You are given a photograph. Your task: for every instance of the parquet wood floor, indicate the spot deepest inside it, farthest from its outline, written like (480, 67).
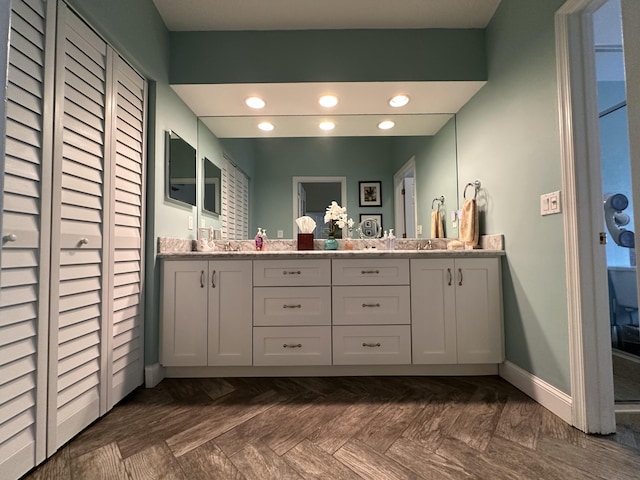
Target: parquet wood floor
(350, 428)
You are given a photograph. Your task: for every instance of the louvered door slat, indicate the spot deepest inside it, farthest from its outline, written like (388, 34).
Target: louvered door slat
(24, 262)
(126, 368)
(78, 237)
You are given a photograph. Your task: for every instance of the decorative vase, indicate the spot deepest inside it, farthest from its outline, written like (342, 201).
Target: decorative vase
(331, 244)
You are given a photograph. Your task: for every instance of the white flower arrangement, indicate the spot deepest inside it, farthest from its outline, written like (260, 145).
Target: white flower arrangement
(336, 217)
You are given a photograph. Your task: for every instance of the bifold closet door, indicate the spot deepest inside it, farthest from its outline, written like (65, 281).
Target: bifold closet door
(126, 365)
(24, 257)
(79, 276)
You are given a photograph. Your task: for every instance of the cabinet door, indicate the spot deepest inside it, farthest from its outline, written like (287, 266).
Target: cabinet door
(433, 321)
(230, 312)
(479, 310)
(184, 313)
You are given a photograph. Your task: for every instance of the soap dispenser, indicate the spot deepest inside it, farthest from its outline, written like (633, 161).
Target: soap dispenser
(258, 240)
(391, 240)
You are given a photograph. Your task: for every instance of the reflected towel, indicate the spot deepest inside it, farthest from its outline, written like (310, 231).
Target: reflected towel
(469, 231)
(437, 229)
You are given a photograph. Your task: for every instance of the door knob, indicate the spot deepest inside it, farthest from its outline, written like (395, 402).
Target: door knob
(12, 237)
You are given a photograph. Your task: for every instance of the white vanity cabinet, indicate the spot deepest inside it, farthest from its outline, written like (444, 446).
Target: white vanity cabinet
(456, 311)
(292, 312)
(371, 312)
(206, 313)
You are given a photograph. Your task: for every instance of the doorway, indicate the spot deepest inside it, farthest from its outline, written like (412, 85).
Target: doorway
(406, 213)
(618, 209)
(311, 197)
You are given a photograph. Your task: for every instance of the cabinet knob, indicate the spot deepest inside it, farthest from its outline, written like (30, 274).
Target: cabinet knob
(12, 237)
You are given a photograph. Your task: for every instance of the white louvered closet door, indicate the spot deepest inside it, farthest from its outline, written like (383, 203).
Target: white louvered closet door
(235, 202)
(25, 244)
(79, 279)
(126, 366)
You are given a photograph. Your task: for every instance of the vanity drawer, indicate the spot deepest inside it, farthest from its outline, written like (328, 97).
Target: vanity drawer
(282, 273)
(372, 271)
(292, 346)
(388, 305)
(372, 345)
(274, 306)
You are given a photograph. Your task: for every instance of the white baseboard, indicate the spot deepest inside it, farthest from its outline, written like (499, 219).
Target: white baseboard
(554, 400)
(153, 375)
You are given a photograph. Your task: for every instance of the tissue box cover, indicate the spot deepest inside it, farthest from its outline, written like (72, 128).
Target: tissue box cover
(305, 241)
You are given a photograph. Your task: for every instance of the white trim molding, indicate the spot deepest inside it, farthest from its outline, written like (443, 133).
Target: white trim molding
(554, 400)
(587, 301)
(153, 375)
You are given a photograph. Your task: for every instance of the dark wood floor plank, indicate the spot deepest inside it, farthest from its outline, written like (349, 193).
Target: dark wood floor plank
(313, 463)
(602, 458)
(257, 462)
(392, 420)
(103, 463)
(372, 465)
(477, 423)
(263, 424)
(298, 428)
(221, 419)
(154, 463)
(475, 462)
(425, 463)
(207, 462)
(216, 387)
(337, 431)
(520, 421)
(554, 427)
(532, 465)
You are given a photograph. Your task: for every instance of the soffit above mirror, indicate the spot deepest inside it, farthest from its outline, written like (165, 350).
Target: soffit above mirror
(294, 110)
(194, 15)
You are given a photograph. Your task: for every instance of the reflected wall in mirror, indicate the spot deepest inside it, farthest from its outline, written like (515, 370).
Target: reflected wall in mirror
(313, 195)
(212, 181)
(181, 169)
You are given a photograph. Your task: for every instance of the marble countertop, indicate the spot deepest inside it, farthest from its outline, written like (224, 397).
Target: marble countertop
(369, 253)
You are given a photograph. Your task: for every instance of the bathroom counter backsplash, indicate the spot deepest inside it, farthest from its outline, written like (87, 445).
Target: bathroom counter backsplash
(166, 245)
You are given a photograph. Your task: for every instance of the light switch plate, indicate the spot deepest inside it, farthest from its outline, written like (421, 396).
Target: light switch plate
(190, 222)
(550, 203)
(280, 234)
(419, 230)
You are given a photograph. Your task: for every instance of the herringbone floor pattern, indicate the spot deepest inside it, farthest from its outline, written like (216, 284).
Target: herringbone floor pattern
(376, 428)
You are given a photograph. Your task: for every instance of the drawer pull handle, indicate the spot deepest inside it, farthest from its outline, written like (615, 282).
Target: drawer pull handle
(201, 278)
(292, 345)
(372, 345)
(83, 241)
(291, 306)
(213, 279)
(373, 305)
(370, 272)
(450, 276)
(291, 272)
(460, 272)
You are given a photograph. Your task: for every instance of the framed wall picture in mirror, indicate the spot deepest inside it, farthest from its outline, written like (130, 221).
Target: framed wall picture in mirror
(180, 169)
(370, 194)
(212, 180)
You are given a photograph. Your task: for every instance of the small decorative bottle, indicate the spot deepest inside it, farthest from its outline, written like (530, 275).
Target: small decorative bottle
(391, 240)
(258, 240)
(264, 239)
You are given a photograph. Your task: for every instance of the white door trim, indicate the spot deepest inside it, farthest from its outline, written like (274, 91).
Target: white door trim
(587, 294)
(298, 180)
(398, 185)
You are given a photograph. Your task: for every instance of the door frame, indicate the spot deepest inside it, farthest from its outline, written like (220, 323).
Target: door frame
(593, 406)
(312, 179)
(398, 184)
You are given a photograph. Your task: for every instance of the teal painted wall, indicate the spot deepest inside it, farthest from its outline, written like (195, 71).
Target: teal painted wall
(327, 55)
(508, 137)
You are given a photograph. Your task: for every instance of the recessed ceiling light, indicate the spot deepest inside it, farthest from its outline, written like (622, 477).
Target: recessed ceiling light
(399, 100)
(328, 101)
(255, 102)
(266, 126)
(386, 125)
(327, 125)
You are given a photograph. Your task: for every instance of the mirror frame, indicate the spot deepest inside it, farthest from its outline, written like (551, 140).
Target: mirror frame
(168, 143)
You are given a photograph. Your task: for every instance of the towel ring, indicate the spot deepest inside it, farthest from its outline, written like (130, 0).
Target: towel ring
(476, 185)
(439, 199)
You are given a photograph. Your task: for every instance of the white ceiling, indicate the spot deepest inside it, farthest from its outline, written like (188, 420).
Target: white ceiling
(293, 107)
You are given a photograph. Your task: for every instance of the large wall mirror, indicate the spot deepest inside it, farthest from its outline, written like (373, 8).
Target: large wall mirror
(212, 182)
(180, 169)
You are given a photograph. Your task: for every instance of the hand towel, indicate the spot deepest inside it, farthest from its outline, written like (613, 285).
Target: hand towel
(469, 231)
(437, 229)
